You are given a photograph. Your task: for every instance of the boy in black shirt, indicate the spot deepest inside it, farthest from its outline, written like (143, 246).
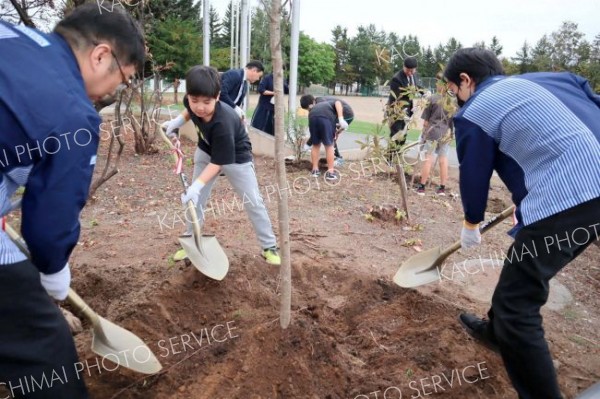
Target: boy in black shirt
(307, 101)
(322, 120)
(223, 146)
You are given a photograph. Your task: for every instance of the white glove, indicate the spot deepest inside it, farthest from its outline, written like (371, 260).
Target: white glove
(469, 236)
(239, 111)
(342, 122)
(193, 192)
(57, 284)
(173, 124)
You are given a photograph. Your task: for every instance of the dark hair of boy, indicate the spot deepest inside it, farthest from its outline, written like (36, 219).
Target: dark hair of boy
(478, 63)
(256, 65)
(306, 100)
(203, 81)
(85, 26)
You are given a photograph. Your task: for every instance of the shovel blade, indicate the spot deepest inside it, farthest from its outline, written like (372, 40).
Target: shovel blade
(209, 258)
(420, 269)
(590, 393)
(122, 347)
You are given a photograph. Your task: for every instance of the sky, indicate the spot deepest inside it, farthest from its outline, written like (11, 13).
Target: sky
(434, 21)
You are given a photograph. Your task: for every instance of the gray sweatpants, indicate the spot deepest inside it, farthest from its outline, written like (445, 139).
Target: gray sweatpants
(243, 180)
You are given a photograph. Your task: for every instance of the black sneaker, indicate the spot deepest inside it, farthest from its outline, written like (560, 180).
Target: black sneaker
(421, 189)
(441, 190)
(315, 173)
(478, 329)
(331, 177)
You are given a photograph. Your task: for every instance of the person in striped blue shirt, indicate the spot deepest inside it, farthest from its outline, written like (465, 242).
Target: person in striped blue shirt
(541, 133)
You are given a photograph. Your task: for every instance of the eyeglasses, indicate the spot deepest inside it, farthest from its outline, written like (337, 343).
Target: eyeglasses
(451, 92)
(126, 82)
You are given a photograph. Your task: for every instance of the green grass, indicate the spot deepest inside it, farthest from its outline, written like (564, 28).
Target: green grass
(363, 127)
(358, 127)
(370, 128)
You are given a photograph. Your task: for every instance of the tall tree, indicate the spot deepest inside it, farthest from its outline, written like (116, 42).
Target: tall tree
(214, 24)
(282, 202)
(542, 55)
(428, 65)
(495, 46)
(318, 60)
(260, 49)
(176, 44)
(480, 44)
(363, 56)
(341, 47)
(566, 42)
(159, 10)
(223, 40)
(593, 70)
(394, 45)
(524, 59)
(595, 49)
(450, 48)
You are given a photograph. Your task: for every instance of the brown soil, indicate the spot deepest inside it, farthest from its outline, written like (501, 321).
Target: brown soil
(353, 331)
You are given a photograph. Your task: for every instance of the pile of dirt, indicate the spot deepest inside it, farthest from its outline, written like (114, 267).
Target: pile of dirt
(349, 336)
(353, 334)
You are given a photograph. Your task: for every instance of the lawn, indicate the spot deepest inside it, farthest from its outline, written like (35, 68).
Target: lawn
(359, 127)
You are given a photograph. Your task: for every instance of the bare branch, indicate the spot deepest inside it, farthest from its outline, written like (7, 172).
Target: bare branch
(25, 18)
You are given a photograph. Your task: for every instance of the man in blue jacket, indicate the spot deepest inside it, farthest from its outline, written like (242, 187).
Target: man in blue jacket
(234, 86)
(541, 133)
(49, 134)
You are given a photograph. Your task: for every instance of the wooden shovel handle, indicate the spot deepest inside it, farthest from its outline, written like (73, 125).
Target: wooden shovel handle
(83, 308)
(72, 297)
(190, 208)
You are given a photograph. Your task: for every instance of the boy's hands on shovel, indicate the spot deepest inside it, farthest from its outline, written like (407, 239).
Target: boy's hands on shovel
(470, 235)
(193, 192)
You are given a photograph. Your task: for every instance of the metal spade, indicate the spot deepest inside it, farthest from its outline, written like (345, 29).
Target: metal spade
(110, 341)
(422, 269)
(204, 251)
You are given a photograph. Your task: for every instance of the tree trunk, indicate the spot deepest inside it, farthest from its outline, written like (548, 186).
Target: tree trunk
(175, 88)
(111, 167)
(403, 188)
(156, 82)
(283, 213)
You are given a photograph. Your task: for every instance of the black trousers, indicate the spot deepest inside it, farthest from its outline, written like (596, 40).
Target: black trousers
(539, 251)
(399, 125)
(37, 353)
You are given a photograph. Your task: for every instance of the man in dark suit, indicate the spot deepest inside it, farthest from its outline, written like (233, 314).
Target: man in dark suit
(399, 101)
(234, 87)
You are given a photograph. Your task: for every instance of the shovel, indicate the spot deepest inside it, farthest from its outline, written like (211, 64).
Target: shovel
(109, 340)
(421, 268)
(204, 251)
(590, 393)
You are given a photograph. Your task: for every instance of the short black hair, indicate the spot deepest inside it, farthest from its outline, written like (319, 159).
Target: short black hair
(476, 62)
(306, 100)
(410, 62)
(87, 25)
(256, 65)
(203, 81)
